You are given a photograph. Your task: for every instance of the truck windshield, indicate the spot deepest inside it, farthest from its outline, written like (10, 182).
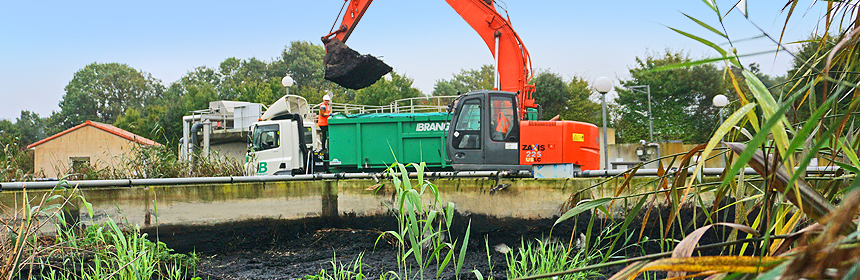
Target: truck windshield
(265, 137)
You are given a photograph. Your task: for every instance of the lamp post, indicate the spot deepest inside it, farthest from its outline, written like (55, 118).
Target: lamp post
(721, 101)
(604, 85)
(287, 82)
(650, 117)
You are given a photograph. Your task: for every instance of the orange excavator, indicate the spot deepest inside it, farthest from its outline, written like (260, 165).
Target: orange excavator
(490, 129)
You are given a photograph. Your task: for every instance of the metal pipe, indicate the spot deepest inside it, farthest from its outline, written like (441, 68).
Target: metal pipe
(821, 170)
(13, 186)
(186, 135)
(650, 116)
(207, 130)
(497, 85)
(248, 179)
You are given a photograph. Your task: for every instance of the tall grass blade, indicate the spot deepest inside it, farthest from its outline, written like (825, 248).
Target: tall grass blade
(582, 207)
(462, 257)
(813, 204)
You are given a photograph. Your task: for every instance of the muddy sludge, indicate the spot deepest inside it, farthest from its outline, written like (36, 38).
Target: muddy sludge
(350, 69)
(292, 249)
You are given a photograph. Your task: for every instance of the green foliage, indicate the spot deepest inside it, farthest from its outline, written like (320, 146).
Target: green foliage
(423, 229)
(119, 253)
(29, 128)
(680, 99)
(21, 240)
(339, 271)
(146, 125)
(103, 91)
(551, 93)
(581, 107)
(384, 91)
(16, 163)
(546, 256)
(567, 100)
(811, 61)
(466, 81)
(235, 73)
(303, 61)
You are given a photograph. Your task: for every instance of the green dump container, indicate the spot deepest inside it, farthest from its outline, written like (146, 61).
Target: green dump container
(372, 142)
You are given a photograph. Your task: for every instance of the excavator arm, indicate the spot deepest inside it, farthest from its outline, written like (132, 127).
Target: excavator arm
(512, 61)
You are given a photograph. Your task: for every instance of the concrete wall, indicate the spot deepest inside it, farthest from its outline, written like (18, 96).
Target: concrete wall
(627, 153)
(103, 148)
(217, 203)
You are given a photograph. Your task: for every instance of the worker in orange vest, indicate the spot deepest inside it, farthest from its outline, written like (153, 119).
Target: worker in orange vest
(502, 124)
(322, 122)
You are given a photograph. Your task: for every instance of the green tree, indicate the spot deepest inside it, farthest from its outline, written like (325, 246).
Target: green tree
(29, 128)
(303, 61)
(384, 91)
(236, 72)
(260, 91)
(809, 66)
(466, 81)
(103, 91)
(567, 100)
(551, 93)
(680, 100)
(192, 92)
(8, 132)
(580, 107)
(146, 122)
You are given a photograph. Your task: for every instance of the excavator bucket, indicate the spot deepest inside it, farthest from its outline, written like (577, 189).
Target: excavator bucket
(350, 69)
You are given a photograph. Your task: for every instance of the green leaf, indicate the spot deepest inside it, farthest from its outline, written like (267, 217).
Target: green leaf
(465, 244)
(701, 40)
(445, 261)
(706, 26)
(477, 274)
(449, 214)
(849, 152)
(848, 167)
(582, 207)
(428, 224)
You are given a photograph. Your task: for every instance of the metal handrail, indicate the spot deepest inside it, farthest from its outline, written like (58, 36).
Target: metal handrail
(422, 104)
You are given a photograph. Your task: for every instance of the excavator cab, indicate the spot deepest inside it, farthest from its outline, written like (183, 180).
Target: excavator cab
(484, 132)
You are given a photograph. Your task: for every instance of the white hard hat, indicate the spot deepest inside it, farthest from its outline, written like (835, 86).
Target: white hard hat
(326, 98)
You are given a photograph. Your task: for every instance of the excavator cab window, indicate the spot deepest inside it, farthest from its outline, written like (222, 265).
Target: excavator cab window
(502, 118)
(467, 131)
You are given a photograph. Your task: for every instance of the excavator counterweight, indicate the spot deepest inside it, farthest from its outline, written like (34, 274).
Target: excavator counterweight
(348, 68)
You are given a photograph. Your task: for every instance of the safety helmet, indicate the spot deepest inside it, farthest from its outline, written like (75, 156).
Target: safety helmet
(326, 98)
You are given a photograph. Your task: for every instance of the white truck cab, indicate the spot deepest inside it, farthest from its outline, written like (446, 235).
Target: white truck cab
(284, 140)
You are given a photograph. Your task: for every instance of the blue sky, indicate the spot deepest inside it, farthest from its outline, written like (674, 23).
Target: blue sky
(45, 42)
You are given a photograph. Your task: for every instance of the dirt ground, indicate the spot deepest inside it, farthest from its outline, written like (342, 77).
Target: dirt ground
(292, 249)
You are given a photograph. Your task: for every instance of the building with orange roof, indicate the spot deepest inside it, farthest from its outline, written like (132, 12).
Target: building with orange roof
(90, 144)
